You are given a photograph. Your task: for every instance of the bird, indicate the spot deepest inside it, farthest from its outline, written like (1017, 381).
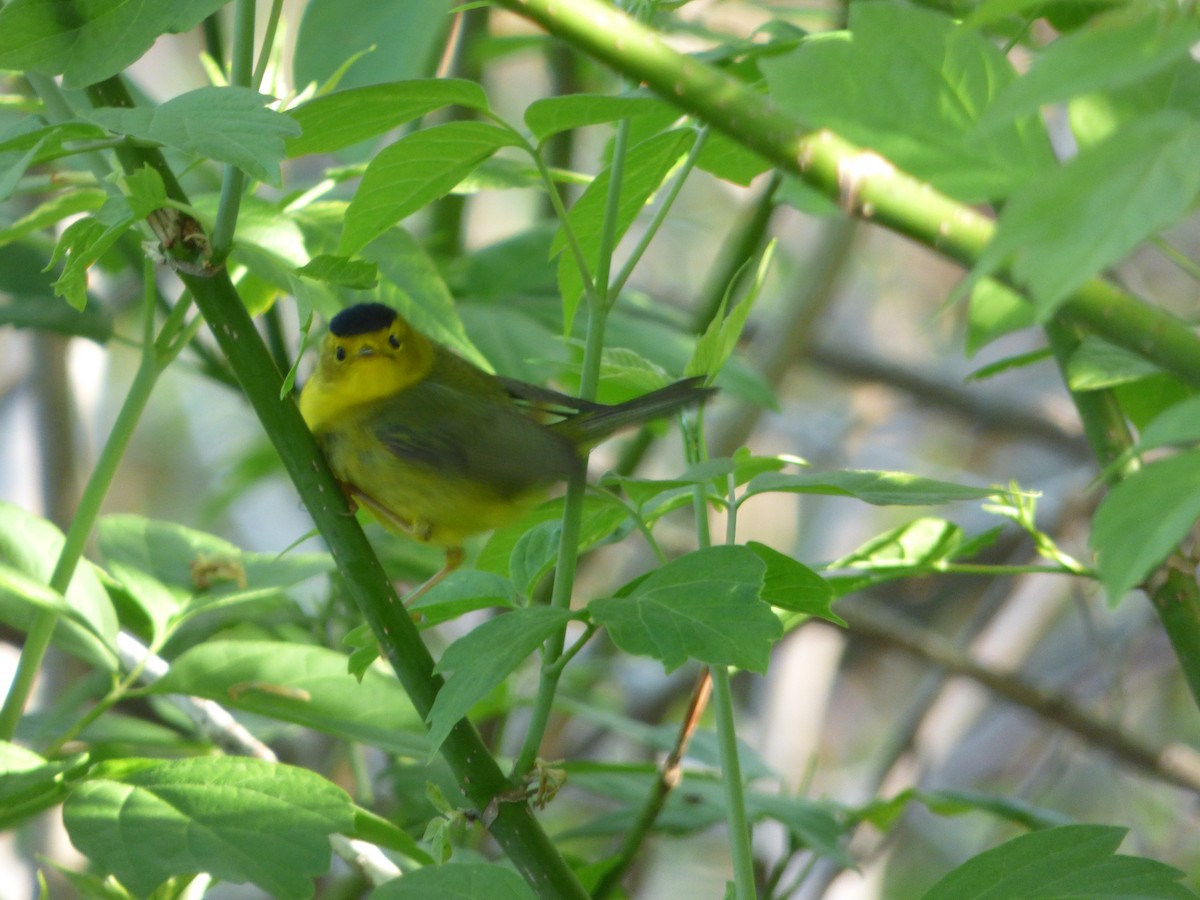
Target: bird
(438, 449)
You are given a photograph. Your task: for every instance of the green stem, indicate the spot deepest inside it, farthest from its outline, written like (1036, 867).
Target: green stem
(1183, 262)
(608, 228)
(1172, 588)
(264, 53)
(564, 583)
(660, 214)
(731, 772)
(233, 181)
(276, 340)
(568, 546)
(569, 653)
(37, 641)
(568, 557)
(556, 203)
(1176, 599)
(858, 180)
(1000, 571)
(214, 41)
(731, 766)
(447, 216)
(367, 584)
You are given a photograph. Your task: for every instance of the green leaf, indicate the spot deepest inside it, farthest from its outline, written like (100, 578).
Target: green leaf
(241, 820)
(1116, 50)
(81, 244)
(1008, 363)
(513, 266)
(802, 196)
(918, 544)
(30, 784)
(1143, 519)
(411, 283)
(646, 165)
(1013, 809)
(1073, 861)
(170, 570)
(875, 487)
(602, 515)
(534, 555)
(304, 685)
(47, 140)
(518, 345)
(1097, 116)
(1066, 224)
(743, 466)
(626, 374)
(791, 585)
(463, 591)
(557, 114)
(706, 605)
(812, 822)
(863, 85)
(29, 550)
(12, 170)
(375, 829)
(716, 345)
(726, 158)
(994, 311)
(384, 47)
(1142, 400)
(55, 209)
(228, 124)
(1178, 424)
(483, 658)
(459, 881)
(342, 271)
(413, 172)
(671, 345)
(88, 42)
(347, 117)
(1096, 364)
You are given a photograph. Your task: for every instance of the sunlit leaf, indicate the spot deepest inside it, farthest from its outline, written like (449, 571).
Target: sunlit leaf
(480, 660)
(242, 820)
(305, 685)
(1143, 519)
(706, 606)
(347, 117)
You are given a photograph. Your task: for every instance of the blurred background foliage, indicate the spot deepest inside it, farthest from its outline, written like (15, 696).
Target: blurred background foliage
(852, 358)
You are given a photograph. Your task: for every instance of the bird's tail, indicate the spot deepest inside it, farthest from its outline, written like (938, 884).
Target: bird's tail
(594, 424)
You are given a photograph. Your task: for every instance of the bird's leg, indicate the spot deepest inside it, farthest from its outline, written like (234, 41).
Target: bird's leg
(386, 517)
(454, 559)
(350, 492)
(417, 530)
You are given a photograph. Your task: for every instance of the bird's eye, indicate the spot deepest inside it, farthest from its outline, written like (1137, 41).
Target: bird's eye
(341, 353)
(394, 341)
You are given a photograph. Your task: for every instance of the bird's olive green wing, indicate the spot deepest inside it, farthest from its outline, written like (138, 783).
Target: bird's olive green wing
(479, 439)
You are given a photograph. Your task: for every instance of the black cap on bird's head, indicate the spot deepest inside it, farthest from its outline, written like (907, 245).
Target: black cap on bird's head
(363, 318)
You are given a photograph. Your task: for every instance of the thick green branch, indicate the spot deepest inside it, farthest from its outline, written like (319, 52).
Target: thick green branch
(861, 182)
(480, 779)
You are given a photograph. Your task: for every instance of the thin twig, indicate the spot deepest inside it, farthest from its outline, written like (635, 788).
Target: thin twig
(669, 776)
